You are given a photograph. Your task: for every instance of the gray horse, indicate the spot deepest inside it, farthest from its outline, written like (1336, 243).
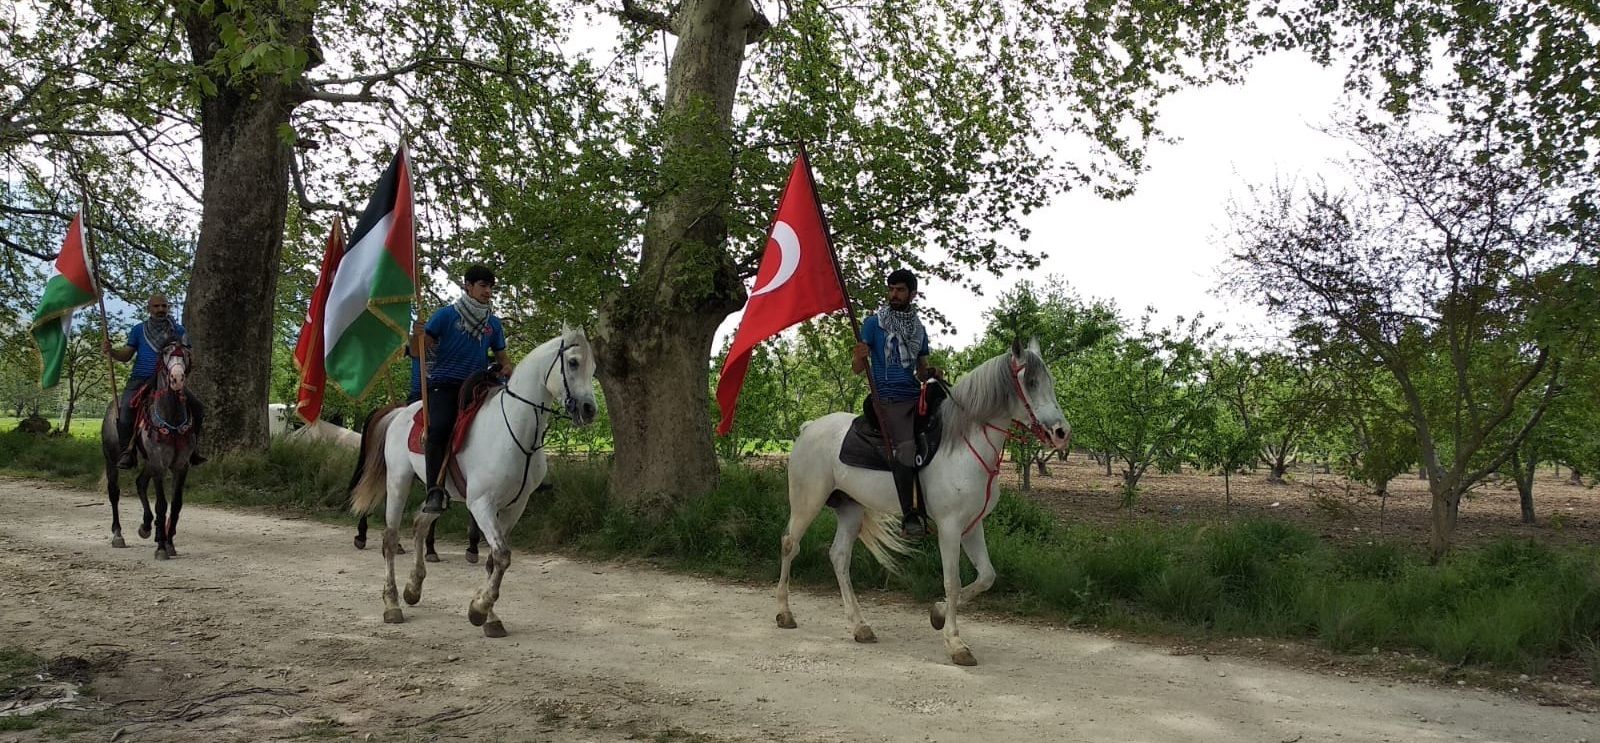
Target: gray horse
(165, 436)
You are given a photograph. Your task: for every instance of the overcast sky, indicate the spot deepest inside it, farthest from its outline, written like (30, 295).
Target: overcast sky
(1160, 247)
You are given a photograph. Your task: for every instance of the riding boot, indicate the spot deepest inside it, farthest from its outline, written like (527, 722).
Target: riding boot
(130, 455)
(434, 454)
(911, 521)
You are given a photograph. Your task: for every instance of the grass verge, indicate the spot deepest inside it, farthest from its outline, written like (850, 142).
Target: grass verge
(1515, 605)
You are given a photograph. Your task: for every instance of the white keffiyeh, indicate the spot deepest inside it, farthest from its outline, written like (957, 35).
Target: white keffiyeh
(905, 336)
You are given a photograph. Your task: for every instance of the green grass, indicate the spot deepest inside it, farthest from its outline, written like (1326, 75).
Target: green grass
(82, 428)
(1514, 604)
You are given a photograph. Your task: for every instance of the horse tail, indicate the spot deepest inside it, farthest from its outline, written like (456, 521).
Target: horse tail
(369, 482)
(880, 534)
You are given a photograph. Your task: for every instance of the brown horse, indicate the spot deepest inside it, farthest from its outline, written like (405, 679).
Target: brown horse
(164, 434)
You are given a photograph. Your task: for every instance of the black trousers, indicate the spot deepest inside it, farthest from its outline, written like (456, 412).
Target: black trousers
(444, 399)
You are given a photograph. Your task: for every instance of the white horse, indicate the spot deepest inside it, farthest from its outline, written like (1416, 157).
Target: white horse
(959, 487)
(502, 461)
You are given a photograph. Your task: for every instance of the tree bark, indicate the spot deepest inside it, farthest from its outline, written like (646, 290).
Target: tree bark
(1446, 508)
(229, 307)
(653, 338)
(1576, 478)
(1524, 472)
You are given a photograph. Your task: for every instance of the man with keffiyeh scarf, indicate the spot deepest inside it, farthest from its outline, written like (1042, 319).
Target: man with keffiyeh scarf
(895, 347)
(144, 345)
(457, 338)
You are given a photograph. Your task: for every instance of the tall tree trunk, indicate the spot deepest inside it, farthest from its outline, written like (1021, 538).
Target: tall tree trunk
(1524, 475)
(1446, 507)
(229, 307)
(653, 339)
(1577, 477)
(1027, 479)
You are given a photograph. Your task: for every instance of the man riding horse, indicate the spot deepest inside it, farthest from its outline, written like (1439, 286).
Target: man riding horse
(897, 345)
(457, 338)
(144, 345)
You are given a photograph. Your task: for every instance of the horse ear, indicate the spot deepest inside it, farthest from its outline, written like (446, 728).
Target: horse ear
(1033, 347)
(1016, 347)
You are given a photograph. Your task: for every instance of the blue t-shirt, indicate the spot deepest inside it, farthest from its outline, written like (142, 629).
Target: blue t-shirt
(457, 354)
(146, 357)
(895, 382)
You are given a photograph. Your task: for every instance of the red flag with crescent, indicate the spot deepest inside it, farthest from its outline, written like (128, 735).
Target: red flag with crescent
(797, 281)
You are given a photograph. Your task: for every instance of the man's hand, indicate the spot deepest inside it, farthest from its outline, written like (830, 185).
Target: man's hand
(105, 347)
(861, 353)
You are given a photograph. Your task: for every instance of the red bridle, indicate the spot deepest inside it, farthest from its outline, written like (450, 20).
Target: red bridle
(1033, 425)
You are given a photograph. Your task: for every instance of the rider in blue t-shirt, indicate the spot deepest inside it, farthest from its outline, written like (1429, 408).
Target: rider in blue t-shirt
(143, 347)
(895, 346)
(458, 339)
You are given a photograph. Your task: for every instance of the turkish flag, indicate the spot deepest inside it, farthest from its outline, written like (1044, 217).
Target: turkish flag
(797, 281)
(308, 350)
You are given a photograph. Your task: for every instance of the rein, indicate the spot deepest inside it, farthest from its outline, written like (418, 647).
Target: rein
(1034, 427)
(540, 427)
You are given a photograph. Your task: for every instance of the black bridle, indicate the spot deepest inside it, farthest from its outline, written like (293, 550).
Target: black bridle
(541, 428)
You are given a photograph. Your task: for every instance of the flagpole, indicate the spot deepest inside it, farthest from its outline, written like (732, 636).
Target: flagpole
(419, 345)
(849, 304)
(99, 294)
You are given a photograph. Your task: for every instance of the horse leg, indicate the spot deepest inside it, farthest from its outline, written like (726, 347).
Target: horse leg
(432, 556)
(474, 535)
(421, 530)
(361, 533)
(114, 492)
(161, 518)
(142, 483)
(950, 557)
(978, 551)
(398, 486)
(802, 511)
(177, 508)
(850, 514)
(481, 610)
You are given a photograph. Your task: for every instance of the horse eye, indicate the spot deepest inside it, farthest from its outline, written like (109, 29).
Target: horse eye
(572, 363)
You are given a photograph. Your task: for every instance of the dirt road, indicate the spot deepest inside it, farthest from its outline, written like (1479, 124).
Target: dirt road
(270, 628)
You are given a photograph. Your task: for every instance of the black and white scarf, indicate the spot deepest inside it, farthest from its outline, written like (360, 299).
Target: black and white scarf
(906, 336)
(474, 316)
(159, 331)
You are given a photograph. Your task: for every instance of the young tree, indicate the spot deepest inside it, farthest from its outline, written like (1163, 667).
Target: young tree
(1453, 269)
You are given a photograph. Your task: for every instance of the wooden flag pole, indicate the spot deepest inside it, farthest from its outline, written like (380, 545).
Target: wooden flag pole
(99, 294)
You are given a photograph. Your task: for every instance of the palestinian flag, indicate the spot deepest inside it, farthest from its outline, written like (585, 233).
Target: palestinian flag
(70, 288)
(308, 351)
(368, 313)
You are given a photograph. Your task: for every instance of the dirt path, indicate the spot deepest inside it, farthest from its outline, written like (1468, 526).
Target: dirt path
(269, 628)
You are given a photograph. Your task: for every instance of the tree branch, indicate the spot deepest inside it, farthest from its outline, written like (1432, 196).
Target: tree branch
(649, 18)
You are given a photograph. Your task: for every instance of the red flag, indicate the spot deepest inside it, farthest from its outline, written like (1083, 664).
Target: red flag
(797, 280)
(308, 354)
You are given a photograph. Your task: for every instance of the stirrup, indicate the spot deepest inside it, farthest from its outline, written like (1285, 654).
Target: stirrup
(437, 500)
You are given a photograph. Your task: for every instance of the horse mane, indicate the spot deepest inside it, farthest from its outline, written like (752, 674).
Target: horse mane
(986, 393)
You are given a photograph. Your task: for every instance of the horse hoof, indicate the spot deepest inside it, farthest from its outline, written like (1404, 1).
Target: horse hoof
(472, 558)
(393, 616)
(494, 629)
(864, 634)
(361, 543)
(786, 620)
(412, 595)
(431, 557)
(399, 550)
(475, 616)
(963, 657)
(117, 541)
(936, 616)
(172, 551)
(161, 554)
(144, 532)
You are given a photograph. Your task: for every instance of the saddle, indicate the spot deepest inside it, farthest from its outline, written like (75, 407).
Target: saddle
(864, 446)
(474, 392)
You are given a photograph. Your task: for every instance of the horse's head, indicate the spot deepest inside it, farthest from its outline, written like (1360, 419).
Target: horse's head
(1035, 402)
(570, 379)
(174, 366)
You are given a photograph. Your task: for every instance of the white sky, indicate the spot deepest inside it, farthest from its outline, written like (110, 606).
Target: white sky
(1160, 247)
